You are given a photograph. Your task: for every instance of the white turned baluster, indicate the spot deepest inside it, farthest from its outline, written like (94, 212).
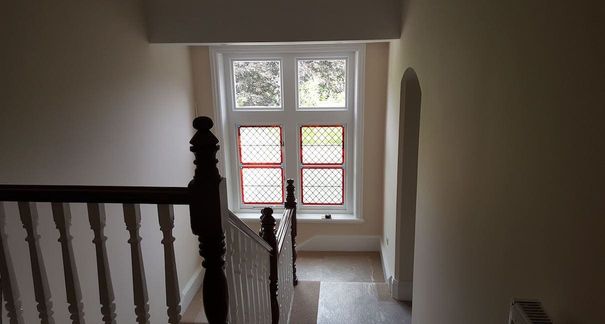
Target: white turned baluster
(289, 275)
(262, 258)
(173, 295)
(257, 283)
(264, 278)
(62, 218)
(10, 290)
(281, 287)
(265, 286)
(240, 263)
(281, 293)
(250, 280)
(96, 218)
(237, 273)
(245, 282)
(132, 218)
(29, 218)
(286, 284)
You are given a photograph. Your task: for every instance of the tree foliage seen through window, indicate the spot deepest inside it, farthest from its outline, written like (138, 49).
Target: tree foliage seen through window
(257, 83)
(322, 83)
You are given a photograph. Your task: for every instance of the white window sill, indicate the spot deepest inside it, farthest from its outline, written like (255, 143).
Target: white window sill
(306, 218)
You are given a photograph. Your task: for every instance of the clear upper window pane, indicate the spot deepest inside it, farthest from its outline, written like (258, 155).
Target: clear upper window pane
(257, 84)
(322, 144)
(322, 83)
(260, 144)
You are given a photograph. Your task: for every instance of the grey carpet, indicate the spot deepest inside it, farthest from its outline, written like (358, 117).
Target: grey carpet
(360, 303)
(306, 303)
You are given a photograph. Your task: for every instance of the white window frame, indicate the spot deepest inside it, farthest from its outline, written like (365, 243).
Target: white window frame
(229, 118)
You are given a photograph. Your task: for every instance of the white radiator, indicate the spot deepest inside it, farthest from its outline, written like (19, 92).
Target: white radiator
(527, 311)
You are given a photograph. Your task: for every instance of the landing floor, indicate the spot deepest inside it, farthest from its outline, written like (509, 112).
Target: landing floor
(347, 288)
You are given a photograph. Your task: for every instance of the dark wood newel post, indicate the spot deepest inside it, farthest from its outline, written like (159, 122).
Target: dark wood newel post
(206, 221)
(267, 232)
(291, 204)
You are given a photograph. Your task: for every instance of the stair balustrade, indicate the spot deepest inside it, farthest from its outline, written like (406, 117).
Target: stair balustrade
(248, 278)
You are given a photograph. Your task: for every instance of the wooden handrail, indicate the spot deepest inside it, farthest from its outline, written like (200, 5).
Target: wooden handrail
(282, 230)
(96, 194)
(239, 224)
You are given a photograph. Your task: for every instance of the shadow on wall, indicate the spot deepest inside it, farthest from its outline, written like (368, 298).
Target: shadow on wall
(407, 181)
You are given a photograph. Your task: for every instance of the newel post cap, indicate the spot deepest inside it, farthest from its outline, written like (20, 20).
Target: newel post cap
(290, 197)
(203, 123)
(203, 138)
(267, 216)
(204, 145)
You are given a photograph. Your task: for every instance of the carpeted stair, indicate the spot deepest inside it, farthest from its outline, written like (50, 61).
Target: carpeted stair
(335, 288)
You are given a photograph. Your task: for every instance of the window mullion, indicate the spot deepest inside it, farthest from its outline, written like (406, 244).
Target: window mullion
(291, 156)
(289, 83)
(290, 119)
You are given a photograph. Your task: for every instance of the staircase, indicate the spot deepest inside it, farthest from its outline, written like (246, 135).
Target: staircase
(344, 287)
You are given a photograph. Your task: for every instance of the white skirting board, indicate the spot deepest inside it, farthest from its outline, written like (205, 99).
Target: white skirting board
(386, 269)
(341, 243)
(401, 290)
(191, 288)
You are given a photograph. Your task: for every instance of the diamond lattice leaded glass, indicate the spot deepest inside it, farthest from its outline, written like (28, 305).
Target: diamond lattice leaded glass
(322, 186)
(262, 185)
(260, 144)
(322, 145)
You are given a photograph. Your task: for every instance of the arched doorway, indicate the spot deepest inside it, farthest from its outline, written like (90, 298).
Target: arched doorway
(407, 176)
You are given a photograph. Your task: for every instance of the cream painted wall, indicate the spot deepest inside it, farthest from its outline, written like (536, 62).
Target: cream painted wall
(510, 183)
(86, 100)
(374, 110)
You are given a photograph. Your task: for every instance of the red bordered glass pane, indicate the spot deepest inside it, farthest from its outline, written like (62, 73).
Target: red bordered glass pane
(322, 145)
(322, 185)
(262, 185)
(260, 144)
